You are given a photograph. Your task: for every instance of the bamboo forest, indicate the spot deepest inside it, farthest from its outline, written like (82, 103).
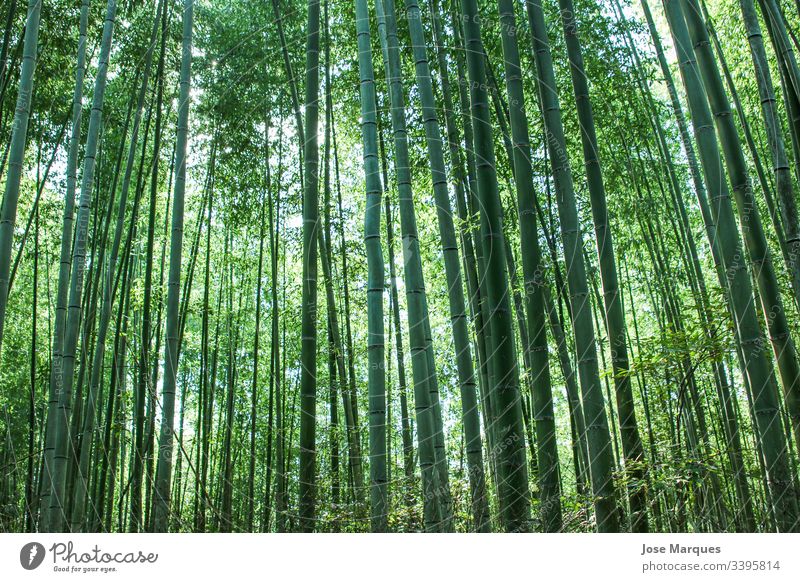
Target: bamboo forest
(383, 266)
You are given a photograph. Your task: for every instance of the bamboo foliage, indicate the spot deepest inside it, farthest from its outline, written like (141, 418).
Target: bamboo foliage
(599, 335)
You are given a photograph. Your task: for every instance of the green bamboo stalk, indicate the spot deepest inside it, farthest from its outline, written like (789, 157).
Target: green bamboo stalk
(109, 289)
(727, 396)
(594, 410)
(162, 489)
(432, 490)
(408, 444)
(308, 384)
(774, 19)
(64, 269)
(455, 289)
(764, 394)
(439, 447)
(274, 364)
(375, 275)
(480, 500)
(56, 518)
(16, 159)
(615, 318)
(544, 416)
(780, 162)
(504, 379)
(749, 217)
(251, 494)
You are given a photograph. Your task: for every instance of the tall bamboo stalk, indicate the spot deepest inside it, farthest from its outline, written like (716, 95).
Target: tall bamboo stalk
(764, 394)
(65, 264)
(162, 489)
(16, 158)
(543, 413)
(455, 289)
(594, 410)
(615, 319)
(509, 449)
(56, 513)
(432, 492)
(308, 383)
(375, 275)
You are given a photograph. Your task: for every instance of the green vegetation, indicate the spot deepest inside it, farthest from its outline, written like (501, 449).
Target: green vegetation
(431, 265)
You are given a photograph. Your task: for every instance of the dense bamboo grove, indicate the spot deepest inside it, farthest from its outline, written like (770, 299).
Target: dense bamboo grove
(401, 266)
